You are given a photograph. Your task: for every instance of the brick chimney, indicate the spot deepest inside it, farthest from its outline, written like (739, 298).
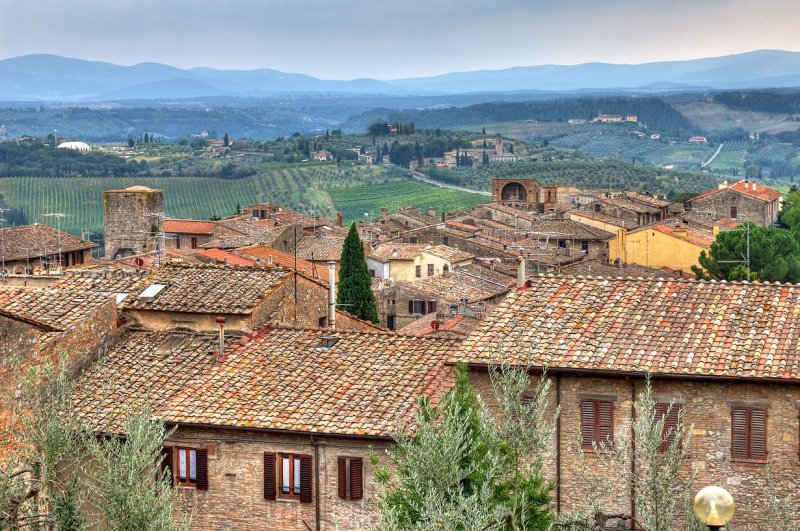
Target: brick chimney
(332, 294)
(339, 219)
(221, 321)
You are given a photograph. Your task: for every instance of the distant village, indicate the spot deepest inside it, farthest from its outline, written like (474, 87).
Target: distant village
(229, 331)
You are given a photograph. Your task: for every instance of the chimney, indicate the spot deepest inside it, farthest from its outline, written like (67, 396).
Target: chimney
(432, 211)
(221, 321)
(754, 186)
(332, 294)
(384, 211)
(521, 271)
(339, 219)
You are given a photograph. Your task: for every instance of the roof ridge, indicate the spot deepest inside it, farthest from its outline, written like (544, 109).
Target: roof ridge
(663, 279)
(391, 333)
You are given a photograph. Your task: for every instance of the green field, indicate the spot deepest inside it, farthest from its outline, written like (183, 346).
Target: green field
(355, 201)
(311, 189)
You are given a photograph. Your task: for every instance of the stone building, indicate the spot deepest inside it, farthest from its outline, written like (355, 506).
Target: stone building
(411, 261)
(740, 202)
(274, 432)
(725, 353)
(133, 218)
(40, 249)
(193, 297)
(525, 194)
(188, 233)
(631, 207)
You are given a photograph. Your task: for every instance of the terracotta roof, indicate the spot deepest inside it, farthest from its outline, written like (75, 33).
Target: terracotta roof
(154, 260)
(680, 327)
(463, 226)
(633, 206)
(451, 254)
(56, 308)
(142, 368)
(188, 226)
(460, 324)
(218, 255)
(677, 228)
(320, 248)
(397, 251)
(269, 255)
(652, 201)
(28, 241)
(220, 289)
(568, 229)
(600, 268)
(102, 281)
(455, 287)
(287, 379)
(603, 218)
(758, 191)
(416, 214)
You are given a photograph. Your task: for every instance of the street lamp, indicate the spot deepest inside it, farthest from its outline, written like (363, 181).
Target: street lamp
(714, 507)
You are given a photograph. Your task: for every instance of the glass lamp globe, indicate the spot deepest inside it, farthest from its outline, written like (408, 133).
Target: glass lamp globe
(714, 506)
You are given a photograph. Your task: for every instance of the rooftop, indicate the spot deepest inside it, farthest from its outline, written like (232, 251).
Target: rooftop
(224, 257)
(603, 218)
(220, 289)
(29, 241)
(397, 251)
(188, 226)
(633, 325)
(302, 380)
(269, 255)
(317, 248)
(750, 188)
(54, 308)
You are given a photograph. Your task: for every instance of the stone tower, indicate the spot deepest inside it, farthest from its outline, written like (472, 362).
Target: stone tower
(131, 218)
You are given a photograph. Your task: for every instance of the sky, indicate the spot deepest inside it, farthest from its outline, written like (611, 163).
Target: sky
(387, 39)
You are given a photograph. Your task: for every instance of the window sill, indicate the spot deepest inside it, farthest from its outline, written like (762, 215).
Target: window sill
(750, 461)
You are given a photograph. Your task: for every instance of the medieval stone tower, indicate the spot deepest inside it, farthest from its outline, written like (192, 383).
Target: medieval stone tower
(132, 218)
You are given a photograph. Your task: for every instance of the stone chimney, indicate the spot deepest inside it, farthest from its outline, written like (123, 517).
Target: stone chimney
(521, 277)
(339, 219)
(221, 321)
(332, 294)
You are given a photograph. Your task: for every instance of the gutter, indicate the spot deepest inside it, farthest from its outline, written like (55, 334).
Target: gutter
(277, 431)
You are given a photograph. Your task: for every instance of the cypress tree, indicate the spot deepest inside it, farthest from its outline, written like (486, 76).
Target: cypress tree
(355, 285)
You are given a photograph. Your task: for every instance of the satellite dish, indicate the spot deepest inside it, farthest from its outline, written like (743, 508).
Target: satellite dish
(435, 325)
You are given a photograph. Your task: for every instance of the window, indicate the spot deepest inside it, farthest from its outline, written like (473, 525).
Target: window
(597, 422)
(671, 413)
(734, 212)
(562, 244)
(585, 246)
(288, 476)
(749, 434)
(391, 322)
(194, 242)
(186, 466)
(178, 241)
(431, 306)
(412, 239)
(430, 270)
(418, 271)
(416, 306)
(446, 240)
(351, 478)
(372, 273)
(322, 322)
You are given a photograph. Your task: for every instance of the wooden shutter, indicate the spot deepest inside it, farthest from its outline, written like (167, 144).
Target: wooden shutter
(739, 432)
(356, 478)
(605, 422)
(306, 475)
(411, 306)
(431, 306)
(587, 423)
(270, 488)
(342, 475)
(202, 469)
(671, 416)
(758, 433)
(166, 463)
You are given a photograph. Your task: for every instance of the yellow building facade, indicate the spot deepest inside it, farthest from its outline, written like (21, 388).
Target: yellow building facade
(664, 245)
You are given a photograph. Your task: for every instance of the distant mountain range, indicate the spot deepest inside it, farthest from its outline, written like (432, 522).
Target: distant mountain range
(53, 78)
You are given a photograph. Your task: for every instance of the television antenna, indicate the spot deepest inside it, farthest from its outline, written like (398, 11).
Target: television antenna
(58, 216)
(3, 211)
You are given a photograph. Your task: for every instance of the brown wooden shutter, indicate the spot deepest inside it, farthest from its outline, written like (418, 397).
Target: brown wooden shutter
(605, 421)
(411, 306)
(356, 478)
(739, 432)
(306, 475)
(431, 306)
(270, 488)
(758, 433)
(202, 469)
(166, 463)
(587, 423)
(341, 463)
(671, 416)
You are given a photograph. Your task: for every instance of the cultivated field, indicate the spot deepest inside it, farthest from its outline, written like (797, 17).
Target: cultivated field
(312, 189)
(715, 116)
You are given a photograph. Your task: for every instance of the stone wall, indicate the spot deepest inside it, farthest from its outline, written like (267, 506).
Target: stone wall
(235, 497)
(707, 409)
(748, 208)
(129, 217)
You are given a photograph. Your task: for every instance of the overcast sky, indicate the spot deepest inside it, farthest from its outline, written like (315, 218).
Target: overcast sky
(343, 39)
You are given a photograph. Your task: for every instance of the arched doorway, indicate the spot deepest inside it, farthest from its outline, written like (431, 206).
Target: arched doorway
(513, 192)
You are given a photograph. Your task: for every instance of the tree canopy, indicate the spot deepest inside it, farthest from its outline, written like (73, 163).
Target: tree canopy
(354, 294)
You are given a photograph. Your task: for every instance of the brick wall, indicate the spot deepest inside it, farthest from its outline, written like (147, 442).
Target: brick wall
(235, 496)
(707, 408)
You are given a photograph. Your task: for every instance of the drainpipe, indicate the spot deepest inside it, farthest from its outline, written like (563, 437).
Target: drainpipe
(316, 481)
(332, 294)
(558, 444)
(633, 456)
(221, 321)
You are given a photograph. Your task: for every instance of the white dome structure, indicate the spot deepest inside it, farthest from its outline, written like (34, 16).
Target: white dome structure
(77, 146)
